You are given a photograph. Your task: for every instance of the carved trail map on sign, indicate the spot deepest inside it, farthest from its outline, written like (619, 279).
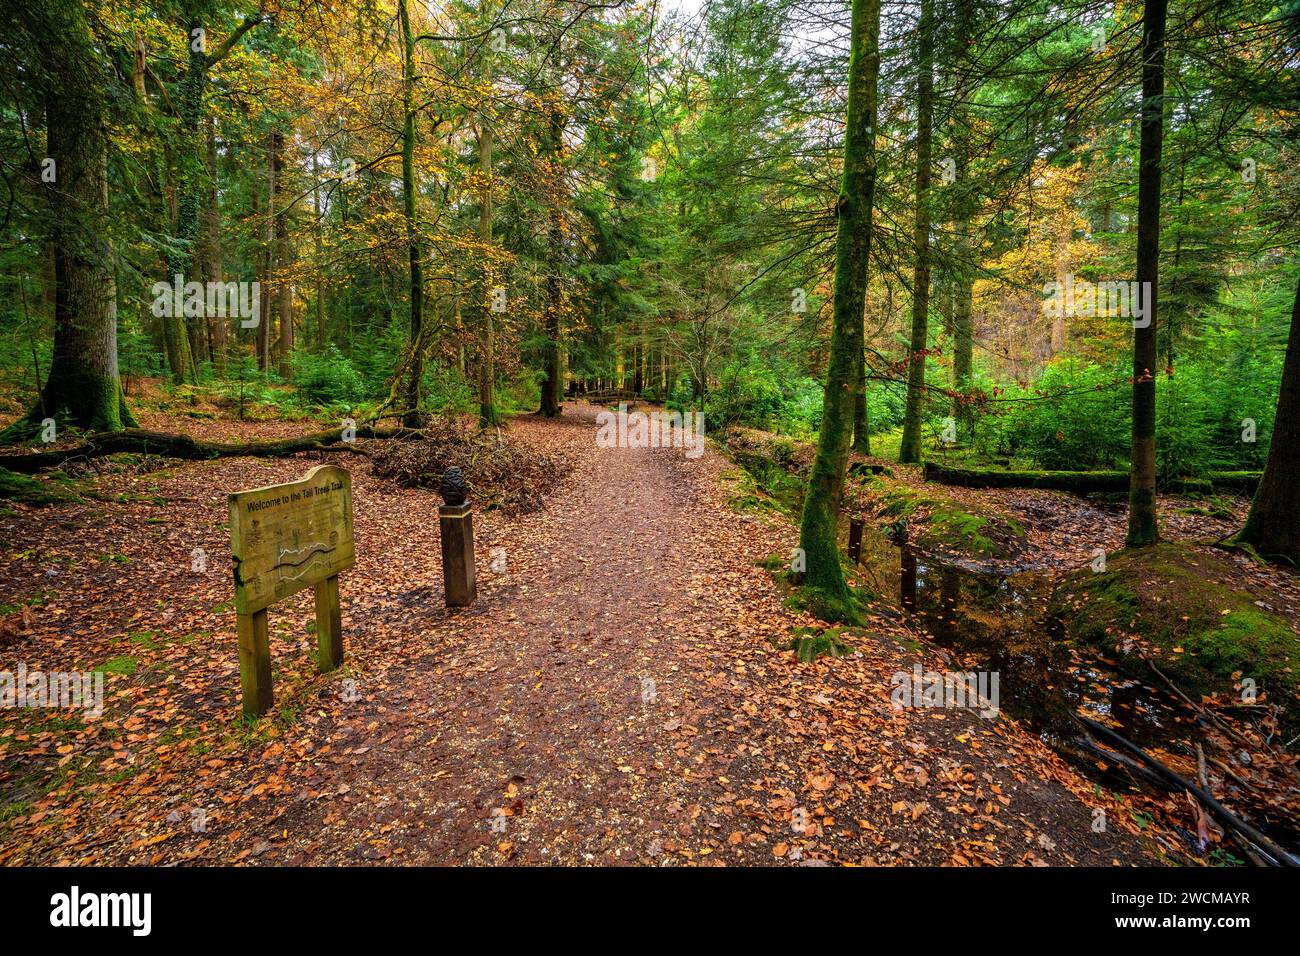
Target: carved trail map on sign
(284, 538)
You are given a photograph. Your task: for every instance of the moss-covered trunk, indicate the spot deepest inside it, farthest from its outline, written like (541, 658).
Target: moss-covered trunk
(817, 533)
(861, 414)
(910, 446)
(212, 249)
(1273, 525)
(83, 386)
(966, 252)
(180, 334)
(1142, 527)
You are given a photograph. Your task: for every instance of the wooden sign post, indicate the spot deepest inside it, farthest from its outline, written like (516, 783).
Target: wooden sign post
(456, 523)
(284, 538)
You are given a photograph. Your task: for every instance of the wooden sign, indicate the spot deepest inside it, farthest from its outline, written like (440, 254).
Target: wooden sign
(284, 538)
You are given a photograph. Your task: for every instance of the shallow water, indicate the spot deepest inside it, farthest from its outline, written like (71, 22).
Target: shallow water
(998, 622)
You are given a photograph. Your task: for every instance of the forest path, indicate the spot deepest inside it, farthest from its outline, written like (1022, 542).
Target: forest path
(621, 692)
(612, 699)
(548, 697)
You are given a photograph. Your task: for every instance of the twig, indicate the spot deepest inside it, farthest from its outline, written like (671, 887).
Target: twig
(1231, 773)
(1209, 715)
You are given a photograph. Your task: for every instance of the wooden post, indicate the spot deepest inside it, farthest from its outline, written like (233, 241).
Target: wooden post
(855, 540)
(329, 625)
(254, 663)
(456, 523)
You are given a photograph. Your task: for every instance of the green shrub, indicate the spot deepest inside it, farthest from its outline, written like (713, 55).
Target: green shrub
(446, 391)
(328, 377)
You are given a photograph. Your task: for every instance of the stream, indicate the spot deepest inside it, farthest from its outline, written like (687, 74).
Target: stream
(998, 622)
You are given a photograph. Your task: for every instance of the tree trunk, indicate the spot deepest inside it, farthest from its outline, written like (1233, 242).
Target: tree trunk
(144, 442)
(268, 258)
(212, 250)
(1273, 525)
(550, 406)
(861, 418)
(966, 267)
(319, 304)
(487, 413)
(412, 226)
(817, 531)
(910, 447)
(282, 254)
(83, 385)
(458, 321)
(1142, 527)
(963, 326)
(182, 351)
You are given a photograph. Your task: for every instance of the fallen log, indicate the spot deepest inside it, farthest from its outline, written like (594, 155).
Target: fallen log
(1077, 481)
(1083, 482)
(167, 444)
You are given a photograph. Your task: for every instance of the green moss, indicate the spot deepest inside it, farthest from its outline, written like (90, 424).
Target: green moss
(121, 665)
(35, 491)
(1223, 514)
(146, 639)
(826, 605)
(810, 643)
(9, 811)
(767, 484)
(1182, 609)
(961, 531)
(951, 525)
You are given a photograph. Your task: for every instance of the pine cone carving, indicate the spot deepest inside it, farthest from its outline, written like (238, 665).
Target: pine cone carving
(453, 488)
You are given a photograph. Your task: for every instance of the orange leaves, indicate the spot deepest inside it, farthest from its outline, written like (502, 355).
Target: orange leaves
(821, 781)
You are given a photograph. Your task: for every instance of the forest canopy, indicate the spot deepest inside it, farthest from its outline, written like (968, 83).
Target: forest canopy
(396, 208)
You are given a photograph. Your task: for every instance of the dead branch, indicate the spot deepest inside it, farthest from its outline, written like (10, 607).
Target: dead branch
(1231, 820)
(167, 444)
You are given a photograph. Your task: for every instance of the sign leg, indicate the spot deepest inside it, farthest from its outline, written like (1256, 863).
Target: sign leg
(255, 663)
(329, 625)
